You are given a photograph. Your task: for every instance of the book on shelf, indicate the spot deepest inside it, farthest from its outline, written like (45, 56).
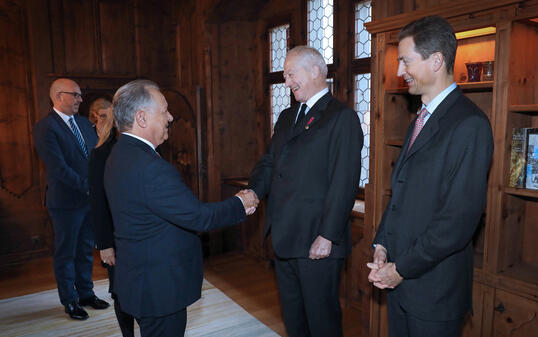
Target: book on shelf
(532, 159)
(518, 156)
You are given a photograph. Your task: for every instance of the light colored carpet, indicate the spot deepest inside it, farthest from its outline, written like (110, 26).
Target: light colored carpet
(41, 314)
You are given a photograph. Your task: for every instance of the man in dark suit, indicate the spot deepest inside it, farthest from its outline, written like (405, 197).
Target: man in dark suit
(311, 174)
(423, 247)
(156, 217)
(63, 140)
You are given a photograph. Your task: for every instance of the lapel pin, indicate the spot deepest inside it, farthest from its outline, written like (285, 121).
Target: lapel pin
(309, 122)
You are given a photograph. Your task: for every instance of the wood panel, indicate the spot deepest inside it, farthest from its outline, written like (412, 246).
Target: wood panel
(15, 99)
(181, 147)
(116, 29)
(156, 23)
(236, 122)
(514, 316)
(24, 231)
(79, 35)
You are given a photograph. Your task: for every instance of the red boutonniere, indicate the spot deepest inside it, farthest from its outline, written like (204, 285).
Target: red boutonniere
(309, 122)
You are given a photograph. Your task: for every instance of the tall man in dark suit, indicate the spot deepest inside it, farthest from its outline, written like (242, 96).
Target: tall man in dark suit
(156, 217)
(423, 247)
(311, 173)
(63, 141)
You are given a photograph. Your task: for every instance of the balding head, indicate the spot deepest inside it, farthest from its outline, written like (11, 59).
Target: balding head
(65, 95)
(305, 72)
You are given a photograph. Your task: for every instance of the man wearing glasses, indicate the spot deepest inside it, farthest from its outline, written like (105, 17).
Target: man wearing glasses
(63, 140)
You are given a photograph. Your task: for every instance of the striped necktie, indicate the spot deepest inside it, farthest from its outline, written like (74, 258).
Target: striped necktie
(78, 136)
(419, 124)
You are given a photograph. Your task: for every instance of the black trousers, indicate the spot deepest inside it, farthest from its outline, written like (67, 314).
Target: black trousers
(125, 320)
(172, 325)
(403, 324)
(309, 296)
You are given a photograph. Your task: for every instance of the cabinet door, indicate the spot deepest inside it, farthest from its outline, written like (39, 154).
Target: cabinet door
(514, 316)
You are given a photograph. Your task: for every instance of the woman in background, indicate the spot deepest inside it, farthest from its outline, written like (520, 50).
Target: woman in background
(100, 212)
(100, 109)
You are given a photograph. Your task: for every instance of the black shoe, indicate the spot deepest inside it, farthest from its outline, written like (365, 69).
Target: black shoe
(94, 302)
(75, 311)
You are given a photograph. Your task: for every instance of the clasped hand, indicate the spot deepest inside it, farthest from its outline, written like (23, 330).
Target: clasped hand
(383, 275)
(250, 200)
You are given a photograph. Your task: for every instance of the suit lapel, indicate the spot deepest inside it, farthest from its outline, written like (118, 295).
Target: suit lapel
(312, 117)
(67, 129)
(430, 129)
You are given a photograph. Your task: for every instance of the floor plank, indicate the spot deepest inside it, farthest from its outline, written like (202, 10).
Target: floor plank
(251, 285)
(245, 280)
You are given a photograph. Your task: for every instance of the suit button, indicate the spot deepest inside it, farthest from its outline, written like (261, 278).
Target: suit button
(280, 175)
(393, 207)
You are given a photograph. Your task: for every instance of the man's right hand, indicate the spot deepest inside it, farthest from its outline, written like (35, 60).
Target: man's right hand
(250, 200)
(380, 258)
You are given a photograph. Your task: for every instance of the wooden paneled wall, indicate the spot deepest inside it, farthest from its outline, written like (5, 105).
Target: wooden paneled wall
(209, 52)
(101, 44)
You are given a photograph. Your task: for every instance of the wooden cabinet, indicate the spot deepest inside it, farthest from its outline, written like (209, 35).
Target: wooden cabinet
(514, 316)
(505, 291)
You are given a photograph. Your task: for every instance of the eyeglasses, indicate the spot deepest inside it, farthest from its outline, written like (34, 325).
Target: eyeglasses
(75, 94)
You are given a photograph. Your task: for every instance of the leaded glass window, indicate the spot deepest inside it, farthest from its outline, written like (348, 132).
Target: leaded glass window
(280, 100)
(279, 47)
(363, 14)
(362, 106)
(321, 27)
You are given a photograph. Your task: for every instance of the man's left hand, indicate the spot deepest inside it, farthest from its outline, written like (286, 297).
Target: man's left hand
(388, 277)
(320, 249)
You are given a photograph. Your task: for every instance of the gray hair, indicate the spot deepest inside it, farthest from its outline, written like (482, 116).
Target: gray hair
(130, 98)
(310, 56)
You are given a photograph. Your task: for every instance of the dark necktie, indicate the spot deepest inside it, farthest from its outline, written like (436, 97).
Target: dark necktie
(78, 136)
(301, 115)
(419, 124)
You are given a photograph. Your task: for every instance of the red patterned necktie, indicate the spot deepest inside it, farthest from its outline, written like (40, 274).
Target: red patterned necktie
(419, 124)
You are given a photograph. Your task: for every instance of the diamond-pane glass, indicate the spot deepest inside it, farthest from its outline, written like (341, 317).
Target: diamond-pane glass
(362, 106)
(280, 100)
(321, 27)
(279, 47)
(363, 14)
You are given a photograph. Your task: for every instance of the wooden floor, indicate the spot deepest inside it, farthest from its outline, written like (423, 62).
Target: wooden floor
(243, 279)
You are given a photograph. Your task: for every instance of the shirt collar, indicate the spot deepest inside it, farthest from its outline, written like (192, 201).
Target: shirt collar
(439, 98)
(63, 116)
(312, 100)
(140, 139)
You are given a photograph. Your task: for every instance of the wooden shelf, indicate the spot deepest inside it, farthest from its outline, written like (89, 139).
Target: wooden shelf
(523, 272)
(394, 142)
(521, 192)
(476, 86)
(524, 108)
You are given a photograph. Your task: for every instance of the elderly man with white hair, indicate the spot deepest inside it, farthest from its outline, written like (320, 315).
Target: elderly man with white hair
(310, 174)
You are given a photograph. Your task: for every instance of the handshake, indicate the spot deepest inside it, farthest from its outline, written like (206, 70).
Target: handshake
(250, 200)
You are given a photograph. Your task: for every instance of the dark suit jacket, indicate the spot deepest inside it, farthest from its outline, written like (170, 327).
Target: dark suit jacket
(438, 195)
(100, 212)
(155, 215)
(66, 166)
(311, 174)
